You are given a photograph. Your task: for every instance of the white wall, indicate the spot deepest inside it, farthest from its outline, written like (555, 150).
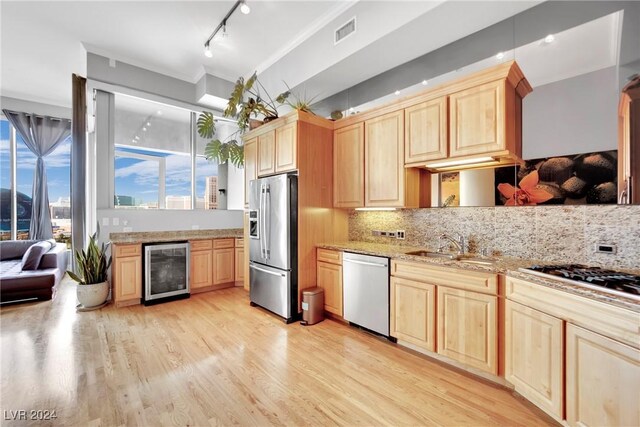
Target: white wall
(166, 220)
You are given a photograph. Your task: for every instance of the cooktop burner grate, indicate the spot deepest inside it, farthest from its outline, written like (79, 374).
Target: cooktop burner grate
(596, 277)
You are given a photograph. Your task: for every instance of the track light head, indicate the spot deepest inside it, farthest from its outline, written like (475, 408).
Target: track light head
(244, 7)
(207, 50)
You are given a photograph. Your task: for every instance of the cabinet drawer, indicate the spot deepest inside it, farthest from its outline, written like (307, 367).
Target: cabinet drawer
(223, 243)
(200, 245)
(614, 322)
(239, 242)
(128, 250)
(462, 279)
(327, 255)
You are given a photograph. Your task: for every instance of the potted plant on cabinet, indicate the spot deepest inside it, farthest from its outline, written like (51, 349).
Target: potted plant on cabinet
(93, 267)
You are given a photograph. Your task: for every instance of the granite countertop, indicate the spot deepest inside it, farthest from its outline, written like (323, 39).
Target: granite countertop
(503, 265)
(170, 236)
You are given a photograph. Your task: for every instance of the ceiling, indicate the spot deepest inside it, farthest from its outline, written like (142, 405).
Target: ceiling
(44, 42)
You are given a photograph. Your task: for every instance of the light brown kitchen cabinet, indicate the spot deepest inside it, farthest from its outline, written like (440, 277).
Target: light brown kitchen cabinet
(384, 160)
(127, 274)
(426, 131)
(603, 380)
(412, 314)
(239, 265)
(223, 265)
(286, 148)
(534, 356)
(467, 328)
(250, 166)
(348, 166)
(266, 153)
(329, 278)
(201, 267)
(477, 117)
(245, 244)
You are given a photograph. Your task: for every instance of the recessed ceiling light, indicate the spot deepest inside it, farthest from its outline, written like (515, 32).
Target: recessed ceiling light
(159, 112)
(144, 129)
(133, 140)
(549, 39)
(207, 51)
(244, 8)
(500, 55)
(397, 92)
(137, 137)
(424, 83)
(148, 123)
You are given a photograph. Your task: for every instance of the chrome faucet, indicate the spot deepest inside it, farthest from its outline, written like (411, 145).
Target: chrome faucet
(459, 243)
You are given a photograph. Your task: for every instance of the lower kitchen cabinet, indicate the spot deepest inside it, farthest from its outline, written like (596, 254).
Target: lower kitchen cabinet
(223, 265)
(467, 328)
(128, 278)
(413, 317)
(533, 356)
(201, 269)
(239, 265)
(603, 380)
(329, 278)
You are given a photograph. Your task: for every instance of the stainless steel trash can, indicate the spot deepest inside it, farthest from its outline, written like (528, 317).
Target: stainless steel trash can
(312, 306)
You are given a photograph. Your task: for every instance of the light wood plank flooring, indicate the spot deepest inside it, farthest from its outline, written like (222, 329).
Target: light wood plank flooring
(214, 360)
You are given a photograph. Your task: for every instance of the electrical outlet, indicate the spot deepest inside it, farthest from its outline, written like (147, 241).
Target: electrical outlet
(391, 234)
(605, 248)
(115, 221)
(105, 221)
(375, 232)
(400, 234)
(383, 233)
(127, 229)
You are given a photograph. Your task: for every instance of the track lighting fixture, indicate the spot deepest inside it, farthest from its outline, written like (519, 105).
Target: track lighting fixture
(244, 8)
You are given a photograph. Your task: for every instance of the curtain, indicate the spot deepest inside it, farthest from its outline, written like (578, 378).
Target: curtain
(41, 134)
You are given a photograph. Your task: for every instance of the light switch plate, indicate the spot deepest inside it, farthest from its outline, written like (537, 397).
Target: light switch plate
(115, 221)
(606, 248)
(105, 221)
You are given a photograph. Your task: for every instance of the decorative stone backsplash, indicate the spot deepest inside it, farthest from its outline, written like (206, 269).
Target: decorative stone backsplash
(549, 233)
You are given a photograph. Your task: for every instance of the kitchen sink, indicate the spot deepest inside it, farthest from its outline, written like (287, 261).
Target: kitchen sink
(454, 257)
(429, 254)
(480, 261)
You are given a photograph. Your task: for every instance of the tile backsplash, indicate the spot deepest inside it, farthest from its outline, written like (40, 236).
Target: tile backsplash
(548, 233)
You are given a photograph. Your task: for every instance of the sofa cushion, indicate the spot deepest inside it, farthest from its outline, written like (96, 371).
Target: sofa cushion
(14, 249)
(11, 267)
(33, 255)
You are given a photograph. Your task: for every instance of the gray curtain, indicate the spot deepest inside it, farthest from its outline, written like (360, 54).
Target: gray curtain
(41, 134)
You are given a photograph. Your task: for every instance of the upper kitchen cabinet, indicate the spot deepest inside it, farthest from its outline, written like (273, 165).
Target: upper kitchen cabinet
(486, 116)
(286, 148)
(368, 159)
(250, 166)
(267, 153)
(348, 166)
(426, 131)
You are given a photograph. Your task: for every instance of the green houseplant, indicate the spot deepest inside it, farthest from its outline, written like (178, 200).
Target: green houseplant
(92, 266)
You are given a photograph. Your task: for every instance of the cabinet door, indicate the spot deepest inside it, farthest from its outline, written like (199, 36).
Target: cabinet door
(266, 153)
(384, 160)
(239, 265)
(348, 166)
(477, 120)
(426, 131)
(128, 278)
(533, 356)
(413, 317)
(245, 268)
(201, 269)
(250, 166)
(603, 380)
(330, 279)
(223, 268)
(286, 147)
(467, 328)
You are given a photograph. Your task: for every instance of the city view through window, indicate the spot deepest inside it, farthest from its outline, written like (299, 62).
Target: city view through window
(58, 165)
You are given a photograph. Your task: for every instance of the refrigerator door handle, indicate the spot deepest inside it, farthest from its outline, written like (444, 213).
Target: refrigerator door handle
(267, 204)
(262, 221)
(273, 273)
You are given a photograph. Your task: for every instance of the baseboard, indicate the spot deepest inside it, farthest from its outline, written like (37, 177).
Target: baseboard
(212, 288)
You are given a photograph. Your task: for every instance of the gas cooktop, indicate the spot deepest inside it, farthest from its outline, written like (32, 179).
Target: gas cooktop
(613, 282)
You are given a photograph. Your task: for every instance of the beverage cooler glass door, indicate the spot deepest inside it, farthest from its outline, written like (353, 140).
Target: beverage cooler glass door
(166, 271)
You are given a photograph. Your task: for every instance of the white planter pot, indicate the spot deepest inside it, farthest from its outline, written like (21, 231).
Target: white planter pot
(93, 295)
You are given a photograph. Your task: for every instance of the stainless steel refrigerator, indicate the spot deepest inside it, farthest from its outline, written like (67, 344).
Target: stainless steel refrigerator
(273, 244)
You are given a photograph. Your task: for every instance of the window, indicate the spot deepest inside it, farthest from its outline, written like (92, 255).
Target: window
(58, 166)
(153, 158)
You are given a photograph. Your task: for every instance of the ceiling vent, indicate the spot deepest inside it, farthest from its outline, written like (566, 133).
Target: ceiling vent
(345, 31)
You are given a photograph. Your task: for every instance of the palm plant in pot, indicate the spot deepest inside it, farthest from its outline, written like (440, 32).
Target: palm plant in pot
(93, 267)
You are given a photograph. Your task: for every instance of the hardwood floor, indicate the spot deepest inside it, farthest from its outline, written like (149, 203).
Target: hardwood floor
(214, 360)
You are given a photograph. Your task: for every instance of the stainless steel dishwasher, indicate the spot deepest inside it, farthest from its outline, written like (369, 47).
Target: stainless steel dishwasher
(365, 284)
